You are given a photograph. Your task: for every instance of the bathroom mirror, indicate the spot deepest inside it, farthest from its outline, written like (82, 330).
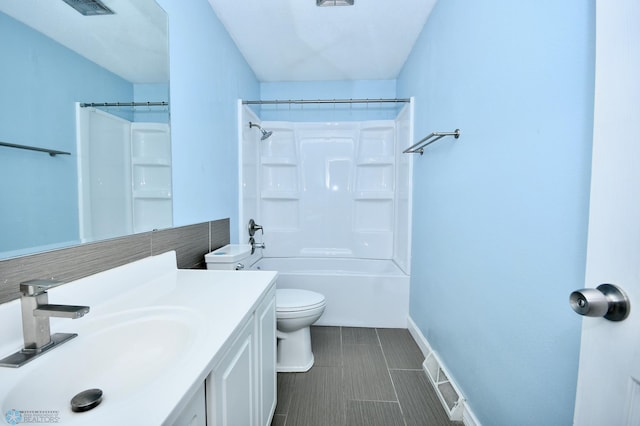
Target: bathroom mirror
(55, 57)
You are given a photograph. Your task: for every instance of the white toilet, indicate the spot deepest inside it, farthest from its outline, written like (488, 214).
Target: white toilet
(296, 310)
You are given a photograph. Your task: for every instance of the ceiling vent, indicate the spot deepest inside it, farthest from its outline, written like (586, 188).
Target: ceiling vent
(89, 7)
(334, 2)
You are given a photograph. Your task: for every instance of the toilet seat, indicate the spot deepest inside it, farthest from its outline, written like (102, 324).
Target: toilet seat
(296, 300)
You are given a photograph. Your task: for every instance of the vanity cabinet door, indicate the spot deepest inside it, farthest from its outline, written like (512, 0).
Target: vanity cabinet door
(266, 360)
(194, 413)
(231, 385)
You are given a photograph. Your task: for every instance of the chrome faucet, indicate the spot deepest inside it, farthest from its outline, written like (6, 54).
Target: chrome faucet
(36, 330)
(255, 245)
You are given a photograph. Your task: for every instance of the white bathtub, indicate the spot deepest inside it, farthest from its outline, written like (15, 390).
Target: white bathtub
(358, 292)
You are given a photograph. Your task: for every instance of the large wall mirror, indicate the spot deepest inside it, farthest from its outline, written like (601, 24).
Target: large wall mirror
(94, 86)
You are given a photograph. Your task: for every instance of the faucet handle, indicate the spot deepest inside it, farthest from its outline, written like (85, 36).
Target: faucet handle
(36, 287)
(253, 227)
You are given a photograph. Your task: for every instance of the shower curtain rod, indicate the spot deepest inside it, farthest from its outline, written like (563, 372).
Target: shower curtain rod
(326, 101)
(122, 104)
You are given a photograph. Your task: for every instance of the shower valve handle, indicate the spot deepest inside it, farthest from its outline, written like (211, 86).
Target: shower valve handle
(253, 227)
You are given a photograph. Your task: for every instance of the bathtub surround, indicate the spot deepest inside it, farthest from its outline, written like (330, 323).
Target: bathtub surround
(327, 189)
(501, 240)
(190, 242)
(334, 201)
(124, 175)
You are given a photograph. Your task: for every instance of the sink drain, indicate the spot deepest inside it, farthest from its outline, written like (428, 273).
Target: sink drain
(86, 400)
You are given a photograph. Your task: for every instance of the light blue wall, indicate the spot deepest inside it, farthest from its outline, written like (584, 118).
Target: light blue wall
(500, 216)
(358, 89)
(40, 81)
(208, 75)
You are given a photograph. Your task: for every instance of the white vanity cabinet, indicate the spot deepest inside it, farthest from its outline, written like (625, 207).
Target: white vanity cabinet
(241, 389)
(189, 348)
(194, 413)
(265, 337)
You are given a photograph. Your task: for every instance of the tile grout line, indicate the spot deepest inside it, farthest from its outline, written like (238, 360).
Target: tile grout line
(373, 400)
(405, 369)
(393, 385)
(342, 375)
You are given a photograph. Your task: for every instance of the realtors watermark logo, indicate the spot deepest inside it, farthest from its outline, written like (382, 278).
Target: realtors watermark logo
(14, 417)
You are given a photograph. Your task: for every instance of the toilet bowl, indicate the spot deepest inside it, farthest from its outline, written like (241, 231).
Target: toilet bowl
(296, 310)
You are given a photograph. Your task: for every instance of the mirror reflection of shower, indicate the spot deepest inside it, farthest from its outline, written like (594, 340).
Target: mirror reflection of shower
(265, 133)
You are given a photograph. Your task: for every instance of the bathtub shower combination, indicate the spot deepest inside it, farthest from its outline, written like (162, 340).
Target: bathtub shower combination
(334, 200)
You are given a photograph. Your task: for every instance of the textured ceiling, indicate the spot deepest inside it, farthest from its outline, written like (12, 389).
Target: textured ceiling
(282, 40)
(295, 40)
(132, 43)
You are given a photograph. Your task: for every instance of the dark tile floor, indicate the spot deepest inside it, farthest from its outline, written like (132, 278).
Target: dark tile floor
(361, 376)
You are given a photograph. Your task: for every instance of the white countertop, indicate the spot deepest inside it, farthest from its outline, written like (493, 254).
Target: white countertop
(214, 304)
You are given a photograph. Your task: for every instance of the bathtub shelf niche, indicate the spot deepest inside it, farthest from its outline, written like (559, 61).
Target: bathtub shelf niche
(280, 195)
(373, 195)
(376, 161)
(278, 161)
(147, 161)
(151, 172)
(158, 194)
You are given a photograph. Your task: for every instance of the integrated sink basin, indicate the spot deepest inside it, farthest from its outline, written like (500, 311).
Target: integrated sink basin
(121, 353)
(154, 338)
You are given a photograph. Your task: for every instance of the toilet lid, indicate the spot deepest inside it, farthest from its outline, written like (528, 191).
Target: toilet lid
(291, 300)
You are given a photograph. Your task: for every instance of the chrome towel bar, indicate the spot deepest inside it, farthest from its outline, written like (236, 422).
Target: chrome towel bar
(418, 147)
(51, 152)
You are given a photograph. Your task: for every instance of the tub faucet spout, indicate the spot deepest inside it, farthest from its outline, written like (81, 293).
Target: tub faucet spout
(255, 245)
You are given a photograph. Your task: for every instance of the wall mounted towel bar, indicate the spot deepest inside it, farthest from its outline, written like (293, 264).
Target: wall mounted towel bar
(418, 147)
(51, 152)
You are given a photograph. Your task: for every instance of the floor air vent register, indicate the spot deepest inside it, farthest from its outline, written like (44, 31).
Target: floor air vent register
(449, 395)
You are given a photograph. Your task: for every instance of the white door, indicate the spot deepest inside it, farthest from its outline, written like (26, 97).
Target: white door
(609, 374)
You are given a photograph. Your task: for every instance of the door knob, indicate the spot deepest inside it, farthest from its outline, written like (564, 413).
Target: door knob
(607, 300)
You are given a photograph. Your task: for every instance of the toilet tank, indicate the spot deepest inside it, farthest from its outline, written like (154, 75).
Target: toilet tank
(229, 257)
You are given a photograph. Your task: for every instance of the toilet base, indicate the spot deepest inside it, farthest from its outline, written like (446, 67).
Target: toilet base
(294, 351)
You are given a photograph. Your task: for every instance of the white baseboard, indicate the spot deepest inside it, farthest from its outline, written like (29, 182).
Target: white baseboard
(417, 335)
(468, 418)
(440, 378)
